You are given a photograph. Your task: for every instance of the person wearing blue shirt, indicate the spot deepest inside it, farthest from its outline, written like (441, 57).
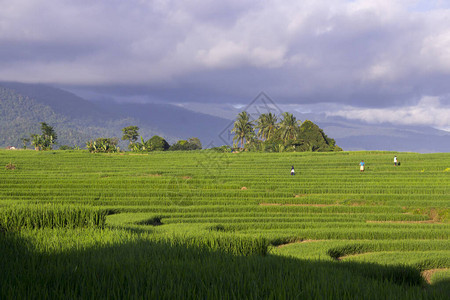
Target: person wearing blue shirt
(361, 166)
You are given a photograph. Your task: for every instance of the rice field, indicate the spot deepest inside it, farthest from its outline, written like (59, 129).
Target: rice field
(203, 224)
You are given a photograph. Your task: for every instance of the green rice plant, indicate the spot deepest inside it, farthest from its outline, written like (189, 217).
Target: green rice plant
(18, 217)
(213, 229)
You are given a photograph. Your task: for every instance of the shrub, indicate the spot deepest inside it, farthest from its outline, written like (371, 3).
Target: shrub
(65, 147)
(190, 144)
(157, 143)
(103, 145)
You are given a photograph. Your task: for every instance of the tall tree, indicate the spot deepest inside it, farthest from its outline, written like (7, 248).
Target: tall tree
(157, 143)
(131, 134)
(266, 125)
(243, 128)
(48, 135)
(289, 127)
(194, 143)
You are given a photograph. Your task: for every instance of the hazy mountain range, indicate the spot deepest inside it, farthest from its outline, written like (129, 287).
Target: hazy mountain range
(76, 120)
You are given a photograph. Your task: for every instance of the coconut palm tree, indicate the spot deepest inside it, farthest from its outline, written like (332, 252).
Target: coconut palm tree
(289, 127)
(243, 128)
(266, 125)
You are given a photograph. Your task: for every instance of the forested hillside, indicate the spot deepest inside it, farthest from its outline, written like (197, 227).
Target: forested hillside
(74, 119)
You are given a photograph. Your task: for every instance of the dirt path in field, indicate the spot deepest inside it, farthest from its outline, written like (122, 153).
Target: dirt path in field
(289, 204)
(428, 273)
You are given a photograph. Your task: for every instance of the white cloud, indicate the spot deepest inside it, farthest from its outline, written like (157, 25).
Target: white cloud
(428, 111)
(385, 52)
(436, 52)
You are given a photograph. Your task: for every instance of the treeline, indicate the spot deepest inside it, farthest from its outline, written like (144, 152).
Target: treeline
(131, 134)
(48, 139)
(268, 133)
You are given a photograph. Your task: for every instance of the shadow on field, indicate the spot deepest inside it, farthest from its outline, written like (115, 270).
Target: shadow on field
(171, 270)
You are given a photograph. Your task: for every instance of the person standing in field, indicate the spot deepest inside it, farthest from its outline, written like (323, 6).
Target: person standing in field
(292, 171)
(361, 166)
(395, 160)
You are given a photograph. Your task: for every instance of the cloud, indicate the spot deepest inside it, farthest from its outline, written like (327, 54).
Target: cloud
(362, 53)
(428, 111)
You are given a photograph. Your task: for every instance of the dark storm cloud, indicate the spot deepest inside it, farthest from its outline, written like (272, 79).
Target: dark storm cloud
(367, 54)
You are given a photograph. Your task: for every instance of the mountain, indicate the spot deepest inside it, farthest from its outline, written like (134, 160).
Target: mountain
(76, 120)
(359, 136)
(172, 120)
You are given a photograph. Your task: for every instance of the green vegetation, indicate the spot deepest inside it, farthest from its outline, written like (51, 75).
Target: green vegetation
(186, 145)
(131, 134)
(103, 145)
(17, 217)
(210, 224)
(157, 143)
(44, 141)
(289, 135)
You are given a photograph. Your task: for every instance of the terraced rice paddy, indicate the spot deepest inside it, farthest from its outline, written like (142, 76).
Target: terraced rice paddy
(228, 225)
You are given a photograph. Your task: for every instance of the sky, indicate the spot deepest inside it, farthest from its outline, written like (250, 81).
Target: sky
(373, 61)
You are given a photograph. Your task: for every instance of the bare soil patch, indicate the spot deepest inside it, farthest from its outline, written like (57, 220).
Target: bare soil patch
(434, 214)
(186, 177)
(243, 188)
(428, 273)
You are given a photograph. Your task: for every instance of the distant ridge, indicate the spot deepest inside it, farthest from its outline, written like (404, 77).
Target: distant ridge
(60, 101)
(76, 120)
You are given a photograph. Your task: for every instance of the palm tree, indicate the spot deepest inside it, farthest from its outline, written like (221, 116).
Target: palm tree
(266, 125)
(243, 128)
(289, 127)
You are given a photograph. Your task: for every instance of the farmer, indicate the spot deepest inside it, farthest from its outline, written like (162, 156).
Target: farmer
(395, 160)
(361, 166)
(292, 171)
